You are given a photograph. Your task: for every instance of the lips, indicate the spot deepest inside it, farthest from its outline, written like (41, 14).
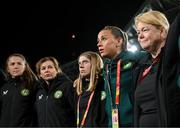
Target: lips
(101, 50)
(47, 75)
(16, 71)
(82, 71)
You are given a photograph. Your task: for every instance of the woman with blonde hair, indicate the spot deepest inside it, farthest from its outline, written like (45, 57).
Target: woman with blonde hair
(157, 96)
(90, 95)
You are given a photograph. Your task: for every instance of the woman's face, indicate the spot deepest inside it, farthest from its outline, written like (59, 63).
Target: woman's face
(84, 66)
(15, 66)
(149, 36)
(107, 44)
(48, 70)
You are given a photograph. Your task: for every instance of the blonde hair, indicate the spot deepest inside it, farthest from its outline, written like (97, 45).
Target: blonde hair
(155, 18)
(96, 69)
(44, 59)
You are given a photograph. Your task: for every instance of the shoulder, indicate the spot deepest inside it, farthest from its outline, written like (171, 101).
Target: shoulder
(39, 83)
(132, 58)
(64, 77)
(3, 78)
(100, 81)
(135, 56)
(64, 81)
(7, 85)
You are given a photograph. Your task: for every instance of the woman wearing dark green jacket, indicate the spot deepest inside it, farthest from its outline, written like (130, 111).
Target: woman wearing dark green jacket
(118, 68)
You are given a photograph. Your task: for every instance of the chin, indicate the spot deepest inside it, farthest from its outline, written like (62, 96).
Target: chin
(146, 48)
(84, 76)
(49, 78)
(104, 55)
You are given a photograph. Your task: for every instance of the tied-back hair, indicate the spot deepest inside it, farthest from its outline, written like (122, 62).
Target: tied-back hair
(48, 58)
(155, 18)
(28, 75)
(96, 70)
(117, 32)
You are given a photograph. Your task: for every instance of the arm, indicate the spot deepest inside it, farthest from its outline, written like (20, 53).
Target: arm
(170, 73)
(172, 47)
(3, 78)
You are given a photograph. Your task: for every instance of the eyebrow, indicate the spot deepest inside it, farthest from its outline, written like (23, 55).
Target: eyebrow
(143, 28)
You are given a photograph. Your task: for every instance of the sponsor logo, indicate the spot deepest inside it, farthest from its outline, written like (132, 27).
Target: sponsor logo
(40, 97)
(5, 92)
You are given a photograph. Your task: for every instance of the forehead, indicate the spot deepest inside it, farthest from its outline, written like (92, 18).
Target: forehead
(104, 33)
(15, 59)
(83, 58)
(142, 25)
(47, 62)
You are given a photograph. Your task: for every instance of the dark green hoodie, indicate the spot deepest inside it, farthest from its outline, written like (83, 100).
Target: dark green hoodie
(125, 106)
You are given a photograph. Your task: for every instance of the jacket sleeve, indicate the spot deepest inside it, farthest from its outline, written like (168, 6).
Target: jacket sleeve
(70, 95)
(172, 47)
(136, 115)
(171, 71)
(3, 78)
(101, 102)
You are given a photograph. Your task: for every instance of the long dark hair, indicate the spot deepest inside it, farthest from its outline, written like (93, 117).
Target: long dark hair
(28, 75)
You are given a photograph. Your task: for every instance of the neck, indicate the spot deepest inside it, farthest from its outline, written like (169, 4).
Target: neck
(156, 51)
(117, 53)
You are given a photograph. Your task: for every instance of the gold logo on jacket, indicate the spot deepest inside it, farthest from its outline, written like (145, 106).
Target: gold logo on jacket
(25, 92)
(58, 94)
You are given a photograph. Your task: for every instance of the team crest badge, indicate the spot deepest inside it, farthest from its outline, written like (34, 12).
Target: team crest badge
(58, 94)
(25, 92)
(103, 95)
(127, 66)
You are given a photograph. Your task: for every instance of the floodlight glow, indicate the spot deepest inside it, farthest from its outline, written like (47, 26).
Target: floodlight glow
(132, 48)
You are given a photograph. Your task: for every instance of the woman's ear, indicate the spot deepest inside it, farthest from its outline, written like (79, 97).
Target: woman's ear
(163, 33)
(119, 42)
(7, 69)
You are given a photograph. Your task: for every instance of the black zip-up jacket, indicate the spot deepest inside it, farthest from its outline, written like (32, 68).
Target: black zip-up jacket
(55, 103)
(96, 116)
(166, 89)
(3, 78)
(16, 104)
